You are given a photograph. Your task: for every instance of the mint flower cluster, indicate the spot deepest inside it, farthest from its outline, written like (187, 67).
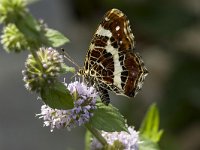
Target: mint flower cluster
(11, 43)
(84, 104)
(129, 141)
(42, 70)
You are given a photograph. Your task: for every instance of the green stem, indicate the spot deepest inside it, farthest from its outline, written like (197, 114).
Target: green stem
(97, 135)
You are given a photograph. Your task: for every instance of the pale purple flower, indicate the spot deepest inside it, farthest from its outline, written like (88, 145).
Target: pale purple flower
(129, 140)
(79, 115)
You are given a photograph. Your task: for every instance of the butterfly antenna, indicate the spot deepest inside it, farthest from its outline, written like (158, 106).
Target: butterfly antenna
(66, 55)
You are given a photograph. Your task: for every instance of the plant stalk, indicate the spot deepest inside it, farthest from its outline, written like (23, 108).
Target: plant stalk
(97, 135)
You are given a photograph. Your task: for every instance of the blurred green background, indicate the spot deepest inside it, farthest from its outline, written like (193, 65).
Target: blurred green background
(167, 36)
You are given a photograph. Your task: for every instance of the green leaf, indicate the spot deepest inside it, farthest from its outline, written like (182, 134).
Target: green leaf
(146, 144)
(150, 126)
(55, 38)
(108, 118)
(88, 137)
(28, 25)
(32, 31)
(57, 96)
(66, 69)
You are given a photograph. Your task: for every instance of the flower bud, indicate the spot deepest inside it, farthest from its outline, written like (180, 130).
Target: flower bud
(43, 73)
(12, 39)
(11, 9)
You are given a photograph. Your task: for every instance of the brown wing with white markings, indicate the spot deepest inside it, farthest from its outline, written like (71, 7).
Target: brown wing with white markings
(110, 61)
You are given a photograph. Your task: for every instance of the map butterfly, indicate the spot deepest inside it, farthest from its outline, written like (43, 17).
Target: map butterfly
(111, 63)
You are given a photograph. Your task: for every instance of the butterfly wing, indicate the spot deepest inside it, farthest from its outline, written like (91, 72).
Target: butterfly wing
(110, 60)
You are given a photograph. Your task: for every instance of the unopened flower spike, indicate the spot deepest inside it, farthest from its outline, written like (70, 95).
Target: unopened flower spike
(119, 140)
(12, 39)
(10, 10)
(84, 104)
(44, 73)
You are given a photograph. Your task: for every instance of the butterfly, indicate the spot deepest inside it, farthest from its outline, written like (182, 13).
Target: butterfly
(111, 63)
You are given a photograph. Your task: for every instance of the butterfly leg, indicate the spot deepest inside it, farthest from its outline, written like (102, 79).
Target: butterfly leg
(103, 93)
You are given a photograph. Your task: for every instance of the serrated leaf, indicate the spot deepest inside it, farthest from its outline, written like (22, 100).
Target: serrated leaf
(108, 118)
(150, 125)
(55, 38)
(57, 96)
(31, 29)
(146, 144)
(27, 24)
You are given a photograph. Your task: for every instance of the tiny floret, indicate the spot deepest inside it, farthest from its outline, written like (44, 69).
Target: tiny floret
(84, 104)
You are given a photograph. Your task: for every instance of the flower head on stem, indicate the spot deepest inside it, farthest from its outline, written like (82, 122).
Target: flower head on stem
(119, 140)
(12, 39)
(43, 73)
(84, 104)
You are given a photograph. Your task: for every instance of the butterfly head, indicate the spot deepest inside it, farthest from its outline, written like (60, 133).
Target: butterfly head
(80, 72)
